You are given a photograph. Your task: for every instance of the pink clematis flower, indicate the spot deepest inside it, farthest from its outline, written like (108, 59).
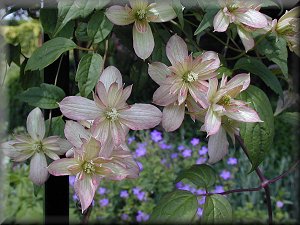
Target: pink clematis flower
(245, 15)
(141, 13)
(112, 116)
(184, 80)
(34, 145)
(224, 113)
(89, 166)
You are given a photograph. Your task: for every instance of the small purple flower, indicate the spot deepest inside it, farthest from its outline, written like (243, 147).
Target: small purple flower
(174, 155)
(195, 141)
(279, 204)
(180, 147)
(187, 153)
(200, 192)
(124, 216)
(201, 160)
(225, 174)
(232, 161)
(203, 150)
(141, 150)
(71, 180)
(141, 216)
(140, 165)
(185, 187)
(102, 190)
(124, 194)
(179, 185)
(130, 140)
(201, 201)
(218, 189)
(156, 136)
(75, 197)
(163, 161)
(104, 202)
(164, 146)
(199, 212)
(136, 190)
(141, 196)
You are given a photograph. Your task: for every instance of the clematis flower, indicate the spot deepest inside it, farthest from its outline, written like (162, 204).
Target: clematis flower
(288, 28)
(36, 146)
(89, 166)
(245, 14)
(224, 113)
(185, 79)
(140, 12)
(112, 116)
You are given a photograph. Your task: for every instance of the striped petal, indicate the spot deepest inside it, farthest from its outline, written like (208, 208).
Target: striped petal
(38, 173)
(217, 146)
(143, 42)
(176, 49)
(173, 116)
(36, 124)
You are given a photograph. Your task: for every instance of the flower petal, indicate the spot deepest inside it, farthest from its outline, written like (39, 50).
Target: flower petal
(141, 116)
(17, 155)
(252, 18)
(60, 167)
(212, 122)
(246, 38)
(163, 12)
(36, 124)
(242, 113)
(79, 108)
(38, 169)
(217, 146)
(91, 149)
(119, 15)
(102, 93)
(221, 21)
(173, 116)
(199, 96)
(75, 132)
(158, 72)
(143, 43)
(212, 89)
(117, 133)
(51, 154)
(111, 75)
(176, 49)
(163, 97)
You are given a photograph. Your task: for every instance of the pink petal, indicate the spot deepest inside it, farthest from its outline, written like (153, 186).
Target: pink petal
(109, 76)
(242, 113)
(126, 93)
(75, 132)
(164, 12)
(246, 38)
(79, 108)
(91, 149)
(107, 147)
(173, 116)
(117, 133)
(252, 18)
(176, 49)
(293, 13)
(212, 122)
(85, 189)
(51, 154)
(102, 93)
(217, 146)
(115, 97)
(38, 169)
(158, 72)
(141, 116)
(101, 130)
(143, 43)
(119, 15)
(221, 21)
(60, 167)
(163, 97)
(199, 96)
(17, 155)
(212, 89)
(141, 26)
(36, 124)
(182, 95)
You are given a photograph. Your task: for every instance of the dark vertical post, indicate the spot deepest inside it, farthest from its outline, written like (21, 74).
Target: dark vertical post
(56, 203)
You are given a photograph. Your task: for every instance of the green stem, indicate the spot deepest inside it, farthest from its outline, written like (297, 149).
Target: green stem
(222, 42)
(84, 49)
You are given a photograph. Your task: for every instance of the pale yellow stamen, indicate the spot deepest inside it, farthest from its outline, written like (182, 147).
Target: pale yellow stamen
(112, 115)
(225, 100)
(190, 77)
(38, 147)
(140, 14)
(88, 167)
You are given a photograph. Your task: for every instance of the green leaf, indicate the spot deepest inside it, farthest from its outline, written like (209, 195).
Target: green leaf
(179, 12)
(46, 96)
(292, 118)
(275, 51)
(207, 21)
(256, 67)
(49, 52)
(224, 70)
(258, 137)
(37, 189)
(88, 72)
(175, 207)
(201, 175)
(72, 9)
(81, 32)
(99, 27)
(13, 54)
(57, 126)
(216, 209)
(29, 79)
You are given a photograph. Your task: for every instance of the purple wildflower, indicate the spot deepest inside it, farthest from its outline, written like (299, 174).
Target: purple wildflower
(104, 202)
(180, 147)
(195, 141)
(141, 196)
(232, 161)
(163, 161)
(199, 212)
(136, 190)
(124, 194)
(75, 197)
(130, 140)
(187, 153)
(200, 192)
(179, 185)
(185, 187)
(279, 204)
(174, 155)
(141, 216)
(71, 180)
(102, 190)
(201, 201)
(141, 150)
(140, 165)
(156, 136)
(203, 150)
(201, 160)
(218, 189)
(225, 174)
(124, 216)
(164, 146)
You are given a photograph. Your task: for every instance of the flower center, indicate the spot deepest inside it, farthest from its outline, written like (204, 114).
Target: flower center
(88, 167)
(225, 100)
(112, 115)
(140, 14)
(38, 146)
(190, 77)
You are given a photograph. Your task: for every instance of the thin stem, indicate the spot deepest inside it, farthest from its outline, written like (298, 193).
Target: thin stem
(236, 57)
(106, 50)
(222, 42)
(226, 46)
(5, 72)
(84, 49)
(86, 215)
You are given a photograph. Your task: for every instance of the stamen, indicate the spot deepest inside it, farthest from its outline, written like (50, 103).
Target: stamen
(38, 147)
(112, 115)
(140, 14)
(190, 77)
(88, 167)
(225, 100)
